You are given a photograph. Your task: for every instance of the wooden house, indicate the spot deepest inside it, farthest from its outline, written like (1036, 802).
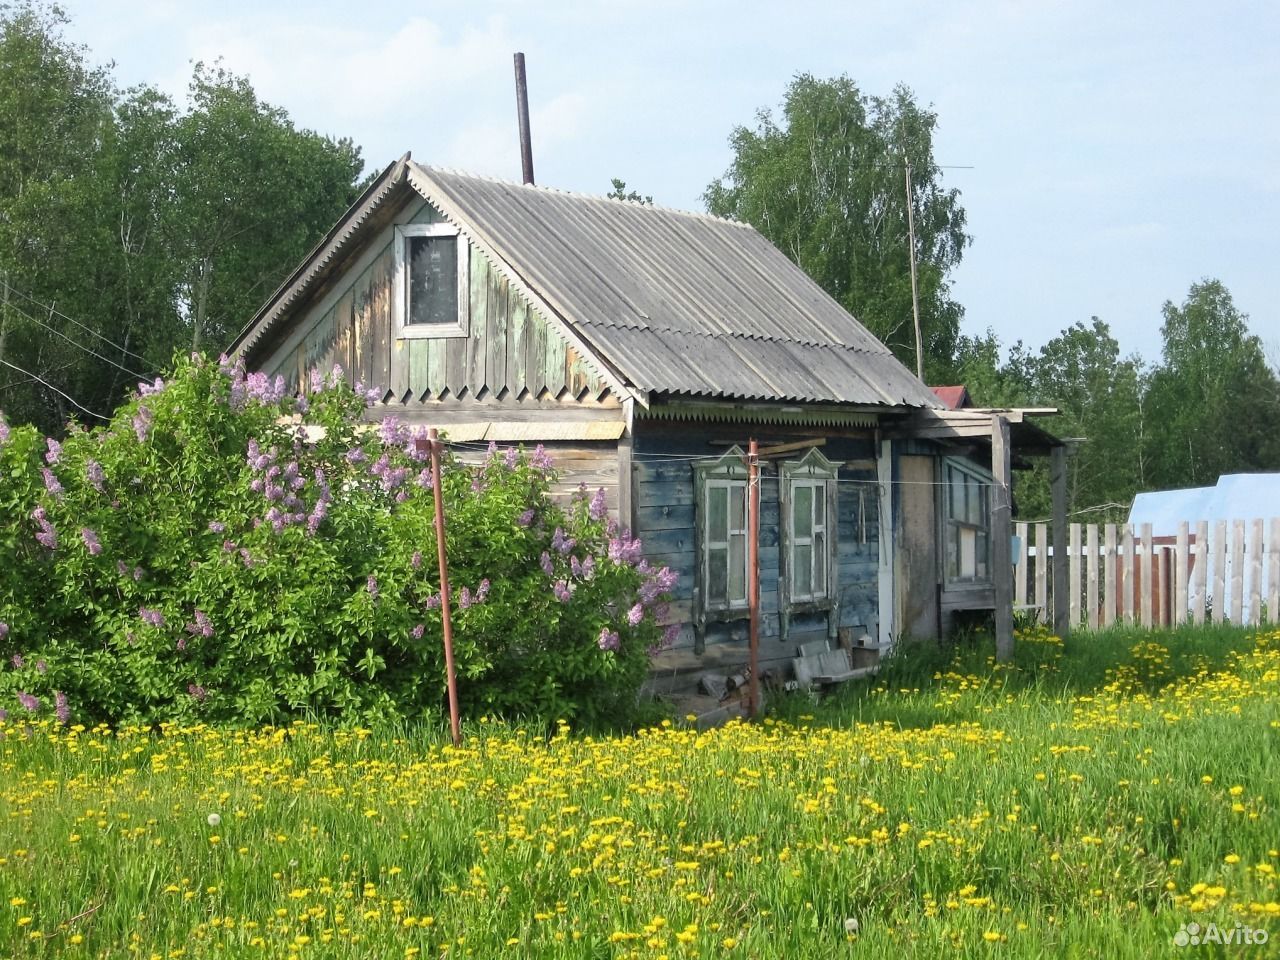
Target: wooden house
(644, 347)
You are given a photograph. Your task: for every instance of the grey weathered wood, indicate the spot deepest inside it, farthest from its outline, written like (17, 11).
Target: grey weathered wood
(1255, 573)
(455, 365)
(554, 371)
(1092, 617)
(360, 330)
(626, 501)
(380, 318)
(1020, 566)
(1146, 575)
(1062, 603)
(1273, 573)
(1042, 571)
(1180, 571)
(1001, 531)
(517, 363)
(1127, 572)
(1200, 572)
(495, 375)
(418, 363)
(344, 349)
(476, 351)
(1076, 561)
(1109, 593)
(1219, 571)
(1237, 572)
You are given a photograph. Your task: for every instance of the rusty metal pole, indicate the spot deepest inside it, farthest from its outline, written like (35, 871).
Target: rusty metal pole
(455, 723)
(522, 115)
(753, 568)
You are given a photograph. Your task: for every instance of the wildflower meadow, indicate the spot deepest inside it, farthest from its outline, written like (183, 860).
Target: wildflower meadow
(1087, 800)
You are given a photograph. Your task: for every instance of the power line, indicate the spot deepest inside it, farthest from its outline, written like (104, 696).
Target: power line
(83, 326)
(46, 383)
(76, 343)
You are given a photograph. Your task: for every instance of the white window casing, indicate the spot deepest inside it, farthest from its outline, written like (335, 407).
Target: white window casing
(406, 286)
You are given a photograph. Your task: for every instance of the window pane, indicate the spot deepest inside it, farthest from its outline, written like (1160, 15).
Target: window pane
(433, 279)
(717, 575)
(802, 511)
(953, 552)
(738, 506)
(717, 514)
(971, 490)
(955, 487)
(984, 553)
(968, 552)
(819, 566)
(802, 583)
(737, 567)
(819, 506)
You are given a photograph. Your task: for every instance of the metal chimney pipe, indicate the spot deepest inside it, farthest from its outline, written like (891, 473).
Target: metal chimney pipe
(522, 108)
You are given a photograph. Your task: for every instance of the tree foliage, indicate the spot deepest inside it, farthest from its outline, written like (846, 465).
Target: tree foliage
(825, 182)
(154, 225)
(221, 552)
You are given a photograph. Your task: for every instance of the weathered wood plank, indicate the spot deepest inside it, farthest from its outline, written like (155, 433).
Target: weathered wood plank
(1180, 571)
(1109, 594)
(1127, 572)
(380, 317)
(1042, 570)
(1146, 576)
(1092, 615)
(417, 363)
(496, 335)
(1200, 573)
(1255, 573)
(554, 369)
(1237, 572)
(1001, 507)
(361, 331)
(1219, 571)
(1273, 575)
(345, 344)
(1062, 604)
(476, 343)
(1075, 563)
(1020, 572)
(518, 361)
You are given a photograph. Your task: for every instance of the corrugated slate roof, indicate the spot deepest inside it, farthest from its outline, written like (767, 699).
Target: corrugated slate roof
(679, 303)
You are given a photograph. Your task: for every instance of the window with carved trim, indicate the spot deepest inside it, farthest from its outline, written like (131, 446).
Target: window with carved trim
(721, 505)
(809, 527)
(966, 527)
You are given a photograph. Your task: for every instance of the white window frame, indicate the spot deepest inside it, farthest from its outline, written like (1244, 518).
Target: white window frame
(813, 472)
(970, 472)
(400, 283)
(725, 474)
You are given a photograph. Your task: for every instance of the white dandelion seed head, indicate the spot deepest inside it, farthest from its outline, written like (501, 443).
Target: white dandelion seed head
(214, 819)
(851, 925)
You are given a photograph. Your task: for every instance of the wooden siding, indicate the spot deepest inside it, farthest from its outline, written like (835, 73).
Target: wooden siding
(663, 491)
(511, 354)
(576, 463)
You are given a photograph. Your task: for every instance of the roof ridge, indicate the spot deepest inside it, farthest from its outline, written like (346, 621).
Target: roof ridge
(579, 195)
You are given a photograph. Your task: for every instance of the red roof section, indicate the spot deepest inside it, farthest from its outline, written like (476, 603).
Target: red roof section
(954, 397)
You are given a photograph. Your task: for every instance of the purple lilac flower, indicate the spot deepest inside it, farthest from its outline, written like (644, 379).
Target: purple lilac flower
(356, 455)
(635, 614)
(560, 543)
(425, 480)
(563, 591)
(201, 625)
(137, 574)
(588, 568)
(482, 592)
(246, 557)
(153, 617)
(372, 586)
(29, 703)
(181, 644)
(477, 482)
(511, 457)
(302, 404)
(61, 709)
(547, 568)
(260, 387)
(41, 667)
(4, 715)
(416, 560)
(598, 508)
(17, 661)
(197, 691)
(4, 430)
(526, 518)
(148, 389)
(418, 631)
(55, 451)
(392, 432)
(609, 639)
(90, 541)
(97, 478)
(51, 482)
(623, 549)
(540, 459)
(142, 423)
(432, 602)
(575, 567)
(48, 536)
(464, 598)
(418, 446)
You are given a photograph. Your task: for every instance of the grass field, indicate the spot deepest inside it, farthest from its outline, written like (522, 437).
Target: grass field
(1085, 803)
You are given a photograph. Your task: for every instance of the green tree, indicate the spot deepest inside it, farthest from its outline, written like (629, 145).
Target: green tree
(620, 192)
(825, 183)
(1214, 402)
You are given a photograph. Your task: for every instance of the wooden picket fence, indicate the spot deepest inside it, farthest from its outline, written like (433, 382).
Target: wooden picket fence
(1118, 574)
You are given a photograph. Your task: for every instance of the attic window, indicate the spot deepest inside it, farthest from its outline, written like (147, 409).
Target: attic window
(431, 280)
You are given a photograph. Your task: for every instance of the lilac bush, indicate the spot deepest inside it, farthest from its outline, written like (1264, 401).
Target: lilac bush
(225, 552)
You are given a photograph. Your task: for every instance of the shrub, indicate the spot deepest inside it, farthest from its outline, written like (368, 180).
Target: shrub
(221, 552)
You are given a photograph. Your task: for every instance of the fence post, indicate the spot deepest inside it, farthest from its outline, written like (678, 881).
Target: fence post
(1074, 568)
(1042, 572)
(1146, 571)
(1127, 572)
(1237, 572)
(1219, 571)
(1063, 606)
(1180, 576)
(1091, 578)
(1001, 536)
(1200, 572)
(1110, 593)
(1255, 574)
(1020, 572)
(1273, 564)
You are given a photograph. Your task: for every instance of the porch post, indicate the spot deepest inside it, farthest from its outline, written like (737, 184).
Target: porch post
(1002, 536)
(886, 596)
(1061, 556)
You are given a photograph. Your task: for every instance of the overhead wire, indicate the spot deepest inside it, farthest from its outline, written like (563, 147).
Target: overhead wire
(76, 343)
(52, 310)
(66, 396)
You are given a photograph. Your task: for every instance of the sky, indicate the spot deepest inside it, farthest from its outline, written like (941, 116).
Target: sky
(1119, 152)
